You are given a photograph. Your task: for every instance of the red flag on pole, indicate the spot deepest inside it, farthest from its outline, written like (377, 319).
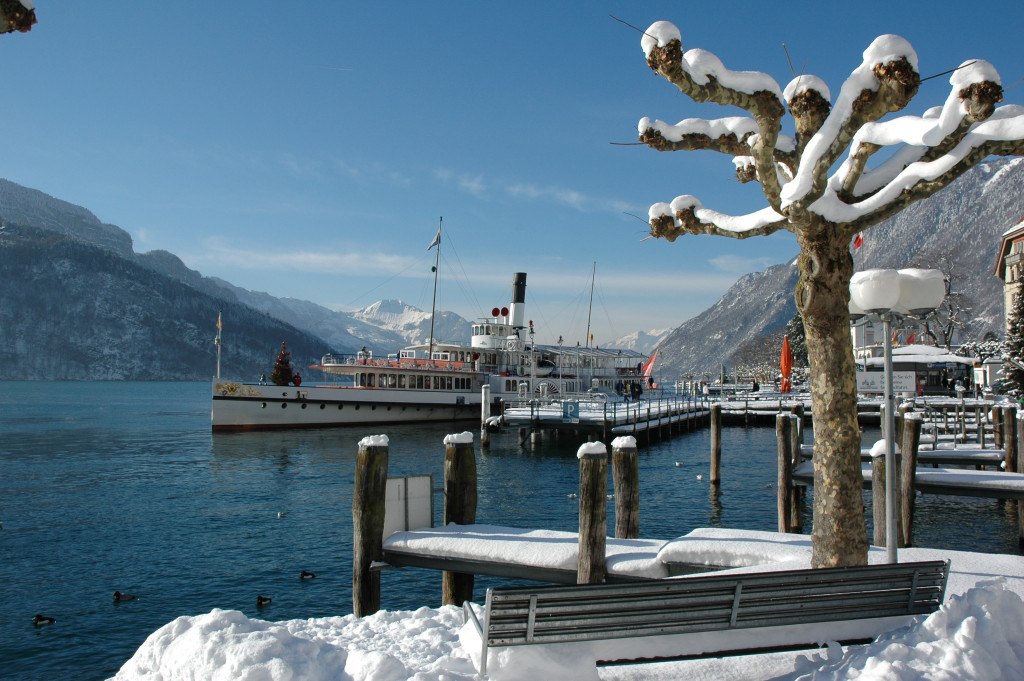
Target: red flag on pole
(858, 240)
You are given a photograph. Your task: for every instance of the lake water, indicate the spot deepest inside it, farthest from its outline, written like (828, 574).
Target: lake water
(122, 486)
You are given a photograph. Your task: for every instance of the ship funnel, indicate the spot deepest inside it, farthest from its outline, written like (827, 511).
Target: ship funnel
(518, 299)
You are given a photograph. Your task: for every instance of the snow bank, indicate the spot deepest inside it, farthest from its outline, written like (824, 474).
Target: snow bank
(978, 635)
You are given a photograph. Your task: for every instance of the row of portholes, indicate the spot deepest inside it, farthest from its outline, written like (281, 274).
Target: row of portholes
(373, 407)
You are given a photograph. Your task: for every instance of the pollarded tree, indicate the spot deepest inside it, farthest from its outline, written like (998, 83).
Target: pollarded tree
(819, 186)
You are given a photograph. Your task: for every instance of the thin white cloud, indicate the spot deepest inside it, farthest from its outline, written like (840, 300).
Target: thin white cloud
(571, 198)
(737, 265)
(351, 262)
(472, 185)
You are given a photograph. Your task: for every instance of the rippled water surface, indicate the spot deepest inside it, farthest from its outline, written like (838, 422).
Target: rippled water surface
(122, 486)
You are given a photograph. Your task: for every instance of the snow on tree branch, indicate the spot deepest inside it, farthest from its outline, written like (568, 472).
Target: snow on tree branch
(686, 215)
(924, 153)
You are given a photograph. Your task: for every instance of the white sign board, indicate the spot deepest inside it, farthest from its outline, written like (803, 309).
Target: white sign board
(408, 503)
(874, 382)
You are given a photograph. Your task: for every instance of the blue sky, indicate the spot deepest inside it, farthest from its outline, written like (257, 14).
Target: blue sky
(308, 149)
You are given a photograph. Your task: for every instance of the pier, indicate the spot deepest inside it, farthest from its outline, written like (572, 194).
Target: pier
(596, 417)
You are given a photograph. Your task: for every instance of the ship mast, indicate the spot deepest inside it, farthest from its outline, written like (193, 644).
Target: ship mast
(433, 302)
(591, 305)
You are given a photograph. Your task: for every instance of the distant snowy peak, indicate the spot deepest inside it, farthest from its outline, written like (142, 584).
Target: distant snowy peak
(413, 324)
(392, 314)
(642, 341)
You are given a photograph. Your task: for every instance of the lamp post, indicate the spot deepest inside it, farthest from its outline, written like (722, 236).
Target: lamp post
(888, 295)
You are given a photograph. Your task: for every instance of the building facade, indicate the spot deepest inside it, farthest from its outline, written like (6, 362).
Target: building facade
(1010, 267)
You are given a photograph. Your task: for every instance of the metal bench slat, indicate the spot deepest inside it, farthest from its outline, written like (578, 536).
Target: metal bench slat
(708, 603)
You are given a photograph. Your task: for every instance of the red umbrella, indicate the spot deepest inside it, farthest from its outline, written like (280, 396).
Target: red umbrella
(786, 364)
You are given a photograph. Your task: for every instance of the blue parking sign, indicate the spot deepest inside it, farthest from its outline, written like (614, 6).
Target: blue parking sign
(570, 412)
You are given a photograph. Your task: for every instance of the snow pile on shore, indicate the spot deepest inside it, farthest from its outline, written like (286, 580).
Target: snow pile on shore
(978, 635)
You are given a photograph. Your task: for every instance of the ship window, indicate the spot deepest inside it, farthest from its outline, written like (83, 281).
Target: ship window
(419, 383)
(392, 381)
(448, 383)
(401, 380)
(369, 380)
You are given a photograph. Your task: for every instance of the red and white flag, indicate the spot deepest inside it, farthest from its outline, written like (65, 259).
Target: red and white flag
(649, 365)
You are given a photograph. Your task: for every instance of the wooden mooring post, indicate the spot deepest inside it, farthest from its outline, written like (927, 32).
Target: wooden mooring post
(368, 496)
(593, 533)
(485, 413)
(784, 484)
(1020, 469)
(626, 479)
(716, 444)
(997, 427)
(912, 422)
(459, 508)
(1009, 418)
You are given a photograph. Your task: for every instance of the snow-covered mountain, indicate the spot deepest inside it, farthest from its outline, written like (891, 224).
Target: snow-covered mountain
(642, 341)
(82, 268)
(413, 324)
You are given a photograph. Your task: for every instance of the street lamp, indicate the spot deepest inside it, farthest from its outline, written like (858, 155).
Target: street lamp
(889, 295)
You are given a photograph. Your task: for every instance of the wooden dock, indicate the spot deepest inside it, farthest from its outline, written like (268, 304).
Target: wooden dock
(603, 419)
(952, 481)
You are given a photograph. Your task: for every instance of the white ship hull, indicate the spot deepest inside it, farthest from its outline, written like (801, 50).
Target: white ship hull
(248, 406)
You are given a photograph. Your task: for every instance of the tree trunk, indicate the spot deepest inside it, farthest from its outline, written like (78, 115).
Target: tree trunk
(839, 536)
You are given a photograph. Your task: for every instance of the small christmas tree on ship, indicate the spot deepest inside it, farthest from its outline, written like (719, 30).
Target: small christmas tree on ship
(282, 374)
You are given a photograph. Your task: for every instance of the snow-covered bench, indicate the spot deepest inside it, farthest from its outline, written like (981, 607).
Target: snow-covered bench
(710, 615)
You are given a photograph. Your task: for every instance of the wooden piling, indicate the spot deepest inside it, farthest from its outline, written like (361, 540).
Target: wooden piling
(485, 412)
(368, 496)
(795, 492)
(716, 444)
(798, 411)
(879, 472)
(878, 499)
(997, 427)
(626, 478)
(784, 484)
(593, 532)
(1010, 438)
(908, 467)
(459, 508)
(1020, 504)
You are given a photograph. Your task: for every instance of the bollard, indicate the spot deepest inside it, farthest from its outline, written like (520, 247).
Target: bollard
(908, 473)
(368, 496)
(459, 508)
(626, 478)
(716, 444)
(593, 533)
(784, 486)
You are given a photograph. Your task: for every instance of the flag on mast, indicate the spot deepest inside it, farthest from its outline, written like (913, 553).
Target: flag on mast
(219, 327)
(437, 239)
(646, 369)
